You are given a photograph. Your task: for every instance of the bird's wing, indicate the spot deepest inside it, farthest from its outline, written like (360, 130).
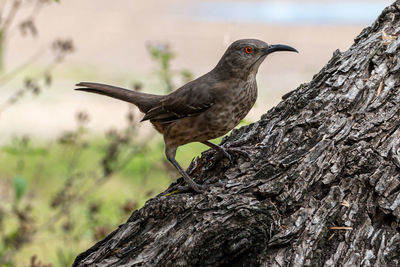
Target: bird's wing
(189, 100)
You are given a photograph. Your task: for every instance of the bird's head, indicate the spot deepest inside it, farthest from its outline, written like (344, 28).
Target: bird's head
(243, 57)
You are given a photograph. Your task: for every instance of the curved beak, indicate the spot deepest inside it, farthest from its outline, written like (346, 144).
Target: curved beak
(279, 47)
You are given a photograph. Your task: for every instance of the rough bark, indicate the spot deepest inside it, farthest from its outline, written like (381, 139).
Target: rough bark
(327, 156)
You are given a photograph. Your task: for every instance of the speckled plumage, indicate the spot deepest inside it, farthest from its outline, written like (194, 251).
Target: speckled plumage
(205, 108)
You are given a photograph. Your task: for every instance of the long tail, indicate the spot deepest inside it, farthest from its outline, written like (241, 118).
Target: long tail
(142, 100)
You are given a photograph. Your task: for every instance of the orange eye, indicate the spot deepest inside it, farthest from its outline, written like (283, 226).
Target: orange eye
(248, 50)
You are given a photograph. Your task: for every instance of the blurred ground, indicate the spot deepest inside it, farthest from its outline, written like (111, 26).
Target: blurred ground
(111, 43)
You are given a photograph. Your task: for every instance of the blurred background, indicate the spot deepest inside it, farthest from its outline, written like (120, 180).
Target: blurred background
(74, 165)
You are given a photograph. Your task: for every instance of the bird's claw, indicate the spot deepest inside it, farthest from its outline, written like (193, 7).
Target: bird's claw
(198, 188)
(227, 155)
(228, 151)
(186, 188)
(239, 151)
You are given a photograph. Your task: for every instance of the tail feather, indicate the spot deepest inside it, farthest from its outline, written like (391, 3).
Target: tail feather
(142, 100)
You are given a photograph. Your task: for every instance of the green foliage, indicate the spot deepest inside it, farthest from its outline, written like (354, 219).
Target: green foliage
(162, 54)
(74, 202)
(20, 185)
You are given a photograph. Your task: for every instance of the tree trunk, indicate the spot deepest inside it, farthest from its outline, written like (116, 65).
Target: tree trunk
(322, 187)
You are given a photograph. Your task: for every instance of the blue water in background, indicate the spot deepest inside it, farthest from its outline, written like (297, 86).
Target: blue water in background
(338, 12)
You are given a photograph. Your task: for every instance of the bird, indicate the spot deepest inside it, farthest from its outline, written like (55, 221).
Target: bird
(205, 108)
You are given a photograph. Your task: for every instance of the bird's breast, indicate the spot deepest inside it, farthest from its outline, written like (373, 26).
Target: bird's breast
(233, 106)
(242, 102)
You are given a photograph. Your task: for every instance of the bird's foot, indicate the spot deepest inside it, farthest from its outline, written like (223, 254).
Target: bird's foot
(227, 152)
(192, 185)
(187, 188)
(198, 188)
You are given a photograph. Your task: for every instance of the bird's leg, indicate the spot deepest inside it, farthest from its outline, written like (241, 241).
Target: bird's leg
(225, 151)
(170, 153)
(219, 149)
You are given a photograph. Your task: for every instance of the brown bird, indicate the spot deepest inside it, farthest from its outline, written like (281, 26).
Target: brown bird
(205, 108)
